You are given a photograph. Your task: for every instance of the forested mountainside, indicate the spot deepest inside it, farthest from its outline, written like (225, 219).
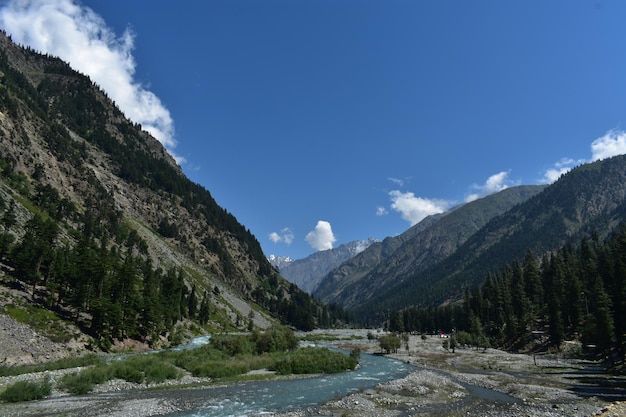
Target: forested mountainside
(589, 200)
(99, 223)
(575, 292)
(307, 273)
(420, 247)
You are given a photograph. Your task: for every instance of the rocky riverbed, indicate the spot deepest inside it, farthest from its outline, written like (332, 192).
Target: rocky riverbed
(471, 382)
(468, 382)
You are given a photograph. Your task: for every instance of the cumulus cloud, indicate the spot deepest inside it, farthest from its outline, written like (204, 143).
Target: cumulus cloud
(611, 144)
(285, 235)
(322, 237)
(414, 209)
(381, 211)
(78, 35)
(494, 184)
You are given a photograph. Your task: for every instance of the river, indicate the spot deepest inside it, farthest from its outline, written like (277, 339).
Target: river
(253, 398)
(259, 397)
(457, 387)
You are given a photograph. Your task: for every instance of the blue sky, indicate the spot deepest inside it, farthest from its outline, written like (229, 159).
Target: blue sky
(319, 122)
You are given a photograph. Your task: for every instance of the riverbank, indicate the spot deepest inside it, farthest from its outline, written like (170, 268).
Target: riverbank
(468, 382)
(471, 382)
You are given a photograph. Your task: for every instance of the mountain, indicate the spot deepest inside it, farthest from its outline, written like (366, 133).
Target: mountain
(308, 272)
(588, 201)
(420, 247)
(99, 224)
(279, 261)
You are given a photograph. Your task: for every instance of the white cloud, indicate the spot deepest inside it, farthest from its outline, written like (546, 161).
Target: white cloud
(285, 235)
(611, 144)
(78, 35)
(322, 237)
(561, 167)
(414, 209)
(381, 211)
(275, 237)
(494, 184)
(396, 181)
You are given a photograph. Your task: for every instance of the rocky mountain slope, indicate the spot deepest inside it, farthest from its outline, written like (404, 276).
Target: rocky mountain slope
(588, 201)
(100, 223)
(307, 273)
(420, 247)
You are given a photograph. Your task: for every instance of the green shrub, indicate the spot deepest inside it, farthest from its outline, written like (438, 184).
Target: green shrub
(26, 391)
(155, 373)
(137, 369)
(275, 339)
(233, 345)
(389, 343)
(219, 369)
(128, 372)
(148, 368)
(79, 383)
(311, 360)
(51, 366)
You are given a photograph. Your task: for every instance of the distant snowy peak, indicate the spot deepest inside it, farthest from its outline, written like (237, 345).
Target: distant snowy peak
(308, 272)
(279, 261)
(359, 246)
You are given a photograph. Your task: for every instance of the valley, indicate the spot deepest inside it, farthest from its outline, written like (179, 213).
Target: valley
(107, 248)
(469, 381)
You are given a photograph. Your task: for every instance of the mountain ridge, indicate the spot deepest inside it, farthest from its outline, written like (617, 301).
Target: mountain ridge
(424, 244)
(100, 222)
(307, 272)
(588, 200)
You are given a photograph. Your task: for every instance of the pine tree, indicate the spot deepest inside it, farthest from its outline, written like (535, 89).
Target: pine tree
(395, 322)
(205, 309)
(532, 280)
(599, 329)
(192, 303)
(554, 282)
(35, 250)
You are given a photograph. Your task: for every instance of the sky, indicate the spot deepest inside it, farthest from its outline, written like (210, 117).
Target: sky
(320, 122)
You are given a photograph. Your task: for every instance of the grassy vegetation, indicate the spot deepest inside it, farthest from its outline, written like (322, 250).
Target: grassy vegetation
(311, 360)
(225, 358)
(325, 337)
(41, 320)
(26, 391)
(138, 369)
(66, 363)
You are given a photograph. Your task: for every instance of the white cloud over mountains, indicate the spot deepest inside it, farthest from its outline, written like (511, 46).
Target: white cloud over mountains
(612, 143)
(322, 237)
(494, 184)
(78, 35)
(414, 209)
(561, 167)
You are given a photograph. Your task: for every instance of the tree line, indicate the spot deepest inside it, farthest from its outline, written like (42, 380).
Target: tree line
(577, 292)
